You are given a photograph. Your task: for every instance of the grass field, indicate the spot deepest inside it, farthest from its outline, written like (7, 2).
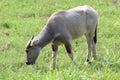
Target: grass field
(20, 19)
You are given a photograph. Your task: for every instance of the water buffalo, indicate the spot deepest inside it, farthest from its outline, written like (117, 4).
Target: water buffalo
(62, 27)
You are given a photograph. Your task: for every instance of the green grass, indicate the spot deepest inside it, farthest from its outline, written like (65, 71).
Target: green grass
(20, 19)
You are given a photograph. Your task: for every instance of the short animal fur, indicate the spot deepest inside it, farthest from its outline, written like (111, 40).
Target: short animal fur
(62, 27)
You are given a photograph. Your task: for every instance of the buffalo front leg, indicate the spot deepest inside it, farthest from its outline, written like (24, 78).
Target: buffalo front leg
(69, 50)
(54, 54)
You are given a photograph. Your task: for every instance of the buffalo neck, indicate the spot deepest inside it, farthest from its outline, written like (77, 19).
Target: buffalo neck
(44, 37)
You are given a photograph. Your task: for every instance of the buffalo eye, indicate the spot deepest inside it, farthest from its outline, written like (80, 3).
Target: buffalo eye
(27, 51)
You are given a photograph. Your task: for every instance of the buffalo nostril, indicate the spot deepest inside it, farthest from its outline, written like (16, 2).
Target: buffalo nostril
(28, 63)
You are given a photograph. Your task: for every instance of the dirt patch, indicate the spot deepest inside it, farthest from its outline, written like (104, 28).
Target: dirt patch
(6, 32)
(26, 15)
(5, 46)
(5, 25)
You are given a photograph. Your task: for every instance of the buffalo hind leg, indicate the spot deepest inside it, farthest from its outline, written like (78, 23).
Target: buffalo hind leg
(93, 51)
(54, 54)
(94, 44)
(89, 43)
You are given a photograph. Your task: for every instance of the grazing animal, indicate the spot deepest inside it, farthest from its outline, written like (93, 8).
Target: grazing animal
(62, 27)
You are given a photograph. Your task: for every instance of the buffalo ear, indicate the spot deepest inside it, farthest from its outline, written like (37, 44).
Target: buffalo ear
(29, 42)
(32, 38)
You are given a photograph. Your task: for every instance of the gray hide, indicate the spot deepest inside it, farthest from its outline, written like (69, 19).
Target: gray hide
(62, 27)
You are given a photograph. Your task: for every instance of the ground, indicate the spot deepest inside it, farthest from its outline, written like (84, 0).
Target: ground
(20, 19)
